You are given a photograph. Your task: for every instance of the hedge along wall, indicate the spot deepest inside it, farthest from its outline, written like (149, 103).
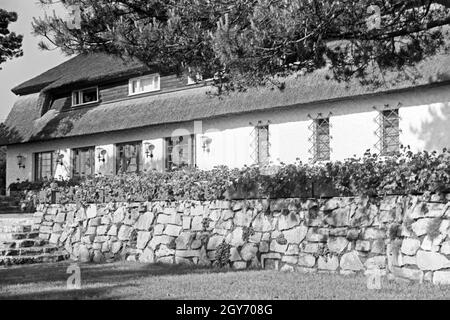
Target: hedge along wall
(404, 236)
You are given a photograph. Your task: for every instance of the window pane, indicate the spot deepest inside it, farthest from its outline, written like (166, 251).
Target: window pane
(322, 140)
(83, 162)
(147, 84)
(144, 84)
(45, 165)
(263, 144)
(90, 95)
(179, 152)
(76, 98)
(134, 86)
(390, 140)
(128, 157)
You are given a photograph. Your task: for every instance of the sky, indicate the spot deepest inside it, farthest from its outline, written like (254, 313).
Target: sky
(34, 61)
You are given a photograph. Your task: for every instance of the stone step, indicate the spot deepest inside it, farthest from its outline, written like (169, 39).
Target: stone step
(16, 229)
(44, 258)
(27, 226)
(11, 236)
(10, 209)
(13, 222)
(25, 243)
(4, 204)
(32, 251)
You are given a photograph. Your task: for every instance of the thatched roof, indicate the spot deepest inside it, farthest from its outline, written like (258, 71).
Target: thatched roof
(83, 68)
(25, 122)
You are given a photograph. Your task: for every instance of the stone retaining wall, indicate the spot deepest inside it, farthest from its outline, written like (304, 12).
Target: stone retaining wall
(403, 236)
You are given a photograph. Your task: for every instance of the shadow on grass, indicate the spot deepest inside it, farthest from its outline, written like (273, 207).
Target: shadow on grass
(98, 279)
(65, 294)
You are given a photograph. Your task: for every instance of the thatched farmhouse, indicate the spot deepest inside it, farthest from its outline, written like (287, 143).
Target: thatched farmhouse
(98, 114)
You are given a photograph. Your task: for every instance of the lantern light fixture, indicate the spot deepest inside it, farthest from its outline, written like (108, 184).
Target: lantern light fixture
(149, 148)
(60, 159)
(101, 155)
(21, 161)
(206, 142)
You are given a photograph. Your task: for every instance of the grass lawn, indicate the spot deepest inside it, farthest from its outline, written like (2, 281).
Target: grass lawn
(126, 280)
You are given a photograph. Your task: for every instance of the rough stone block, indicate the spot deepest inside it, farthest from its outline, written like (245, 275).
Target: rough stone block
(407, 273)
(112, 231)
(431, 261)
(187, 223)
(91, 211)
(296, 235)
(306, 260)
(373, 234)
(330, 263)
(249, 251)
(420, 227)
(145, 221)
(172, 230)
(378, 262)
(441, 277)
(142, 239)
(125, 232)
(263, 223)
(362, 245)
(214, 242)
(102, 230)
(337, 245)
(351, 261)
(410, 246)
(339, 217)
(289, 221)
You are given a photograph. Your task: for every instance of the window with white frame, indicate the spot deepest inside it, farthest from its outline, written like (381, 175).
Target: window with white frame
(194, 80)
(85, 96)
(144, 84)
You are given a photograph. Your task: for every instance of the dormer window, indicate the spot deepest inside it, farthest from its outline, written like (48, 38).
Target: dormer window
(144, 84)
(194, 80)
(85, 96)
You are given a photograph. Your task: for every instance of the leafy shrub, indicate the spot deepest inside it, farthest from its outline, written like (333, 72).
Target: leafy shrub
(247, 233)
(370, 175)
(281, 240)
(205, 223)
(222, 256)
(394, 231)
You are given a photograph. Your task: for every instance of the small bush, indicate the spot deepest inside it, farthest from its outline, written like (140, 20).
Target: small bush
(205, 223)
(247, 233)
(281, 240)
(394, 231)
(407, 223)
(222, 256)
(370, 175)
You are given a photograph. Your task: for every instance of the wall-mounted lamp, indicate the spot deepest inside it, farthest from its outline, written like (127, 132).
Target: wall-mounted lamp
(149, 148)
(21, 161)
(101, 155)
(206, 142)
(60, 159)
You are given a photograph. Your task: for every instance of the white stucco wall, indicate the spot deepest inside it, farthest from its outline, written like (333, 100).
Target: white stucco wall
(352, 134)
(424, 125)
(289, 141)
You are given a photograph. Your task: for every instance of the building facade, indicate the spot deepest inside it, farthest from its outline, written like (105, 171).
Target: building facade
(97, 114)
